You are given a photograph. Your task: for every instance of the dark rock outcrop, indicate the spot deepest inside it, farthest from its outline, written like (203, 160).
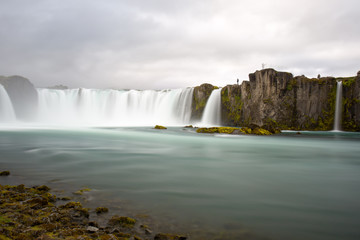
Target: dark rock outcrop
(23, 96)
(279, 100)
(200, 96)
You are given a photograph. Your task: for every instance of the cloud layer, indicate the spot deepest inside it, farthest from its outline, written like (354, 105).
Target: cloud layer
(157, 44)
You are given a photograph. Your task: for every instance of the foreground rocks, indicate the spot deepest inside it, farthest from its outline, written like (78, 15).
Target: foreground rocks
(32, 213)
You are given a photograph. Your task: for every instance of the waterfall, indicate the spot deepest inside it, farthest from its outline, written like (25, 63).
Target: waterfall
(212, 111)
(7, 113)
(338, 107)
(114, 107)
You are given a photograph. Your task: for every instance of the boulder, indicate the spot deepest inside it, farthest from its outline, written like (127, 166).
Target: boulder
(160, 127)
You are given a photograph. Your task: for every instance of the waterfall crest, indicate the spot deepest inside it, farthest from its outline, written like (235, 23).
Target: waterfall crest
(212, 111)
(7, 113)
(114, 107)
(338, 107)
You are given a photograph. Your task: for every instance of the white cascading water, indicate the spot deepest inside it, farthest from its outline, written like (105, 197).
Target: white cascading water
(114, 107)
(212, 111)
(7, 113)
(338, 107)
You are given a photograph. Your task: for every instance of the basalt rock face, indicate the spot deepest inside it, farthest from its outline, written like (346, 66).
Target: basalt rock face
(200, 96)
(298, 103)
(351, 103)
(23, 95)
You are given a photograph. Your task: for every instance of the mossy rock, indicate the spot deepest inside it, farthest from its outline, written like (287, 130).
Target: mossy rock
(100, 210)
(160, 127)
(246, 130)
(72, 205)
(261, 131)
(82, 191)
(272, 126)
(125, 222)
(166, 236)
(226, 130)
(108, 237)
(43, 188)
(208, 130)
(5, 173)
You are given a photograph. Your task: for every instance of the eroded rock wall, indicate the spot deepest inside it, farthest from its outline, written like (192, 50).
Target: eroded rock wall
(23, 96)
(351, 103)
(297, 103)
(200, 96)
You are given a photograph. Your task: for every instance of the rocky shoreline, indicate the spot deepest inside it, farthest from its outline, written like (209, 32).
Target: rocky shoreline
(36, 213)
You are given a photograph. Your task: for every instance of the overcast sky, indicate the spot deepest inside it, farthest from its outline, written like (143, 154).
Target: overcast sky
(158, 44)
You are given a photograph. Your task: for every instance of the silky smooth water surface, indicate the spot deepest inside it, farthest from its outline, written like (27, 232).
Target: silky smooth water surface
(283, 187)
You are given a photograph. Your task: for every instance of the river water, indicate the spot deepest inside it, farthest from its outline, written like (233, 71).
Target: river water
(289, 186)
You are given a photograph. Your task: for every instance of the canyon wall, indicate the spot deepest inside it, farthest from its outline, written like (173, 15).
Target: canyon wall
(297, 103)
(23, 96)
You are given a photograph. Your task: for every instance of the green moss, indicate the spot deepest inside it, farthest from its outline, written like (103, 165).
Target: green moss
(348, 123)
(231, 130)
(122, 221)
(208, 130)
(3, 237)
(272, 126)
(99, 210)
(231, 107)
(261, 131)
(291, 84)
(227, 130)
(325, 121)
(161, 236)
(72, 205)
(43, 188)
(246, 130)
(4, 220)
(347, 82)
(267, 101)
(350, 104)
(82, 191)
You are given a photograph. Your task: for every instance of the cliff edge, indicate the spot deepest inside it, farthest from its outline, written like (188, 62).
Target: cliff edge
(296, 103)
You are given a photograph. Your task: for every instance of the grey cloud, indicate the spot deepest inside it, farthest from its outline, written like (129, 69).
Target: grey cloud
(167, 44)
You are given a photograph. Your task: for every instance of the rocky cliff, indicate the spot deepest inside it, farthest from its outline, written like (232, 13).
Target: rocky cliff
(290, 102)
(351, 103)
(200, 96)
(23, 96)
(299, 103)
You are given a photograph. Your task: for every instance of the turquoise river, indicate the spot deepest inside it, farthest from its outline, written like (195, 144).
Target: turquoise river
(287, 186)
